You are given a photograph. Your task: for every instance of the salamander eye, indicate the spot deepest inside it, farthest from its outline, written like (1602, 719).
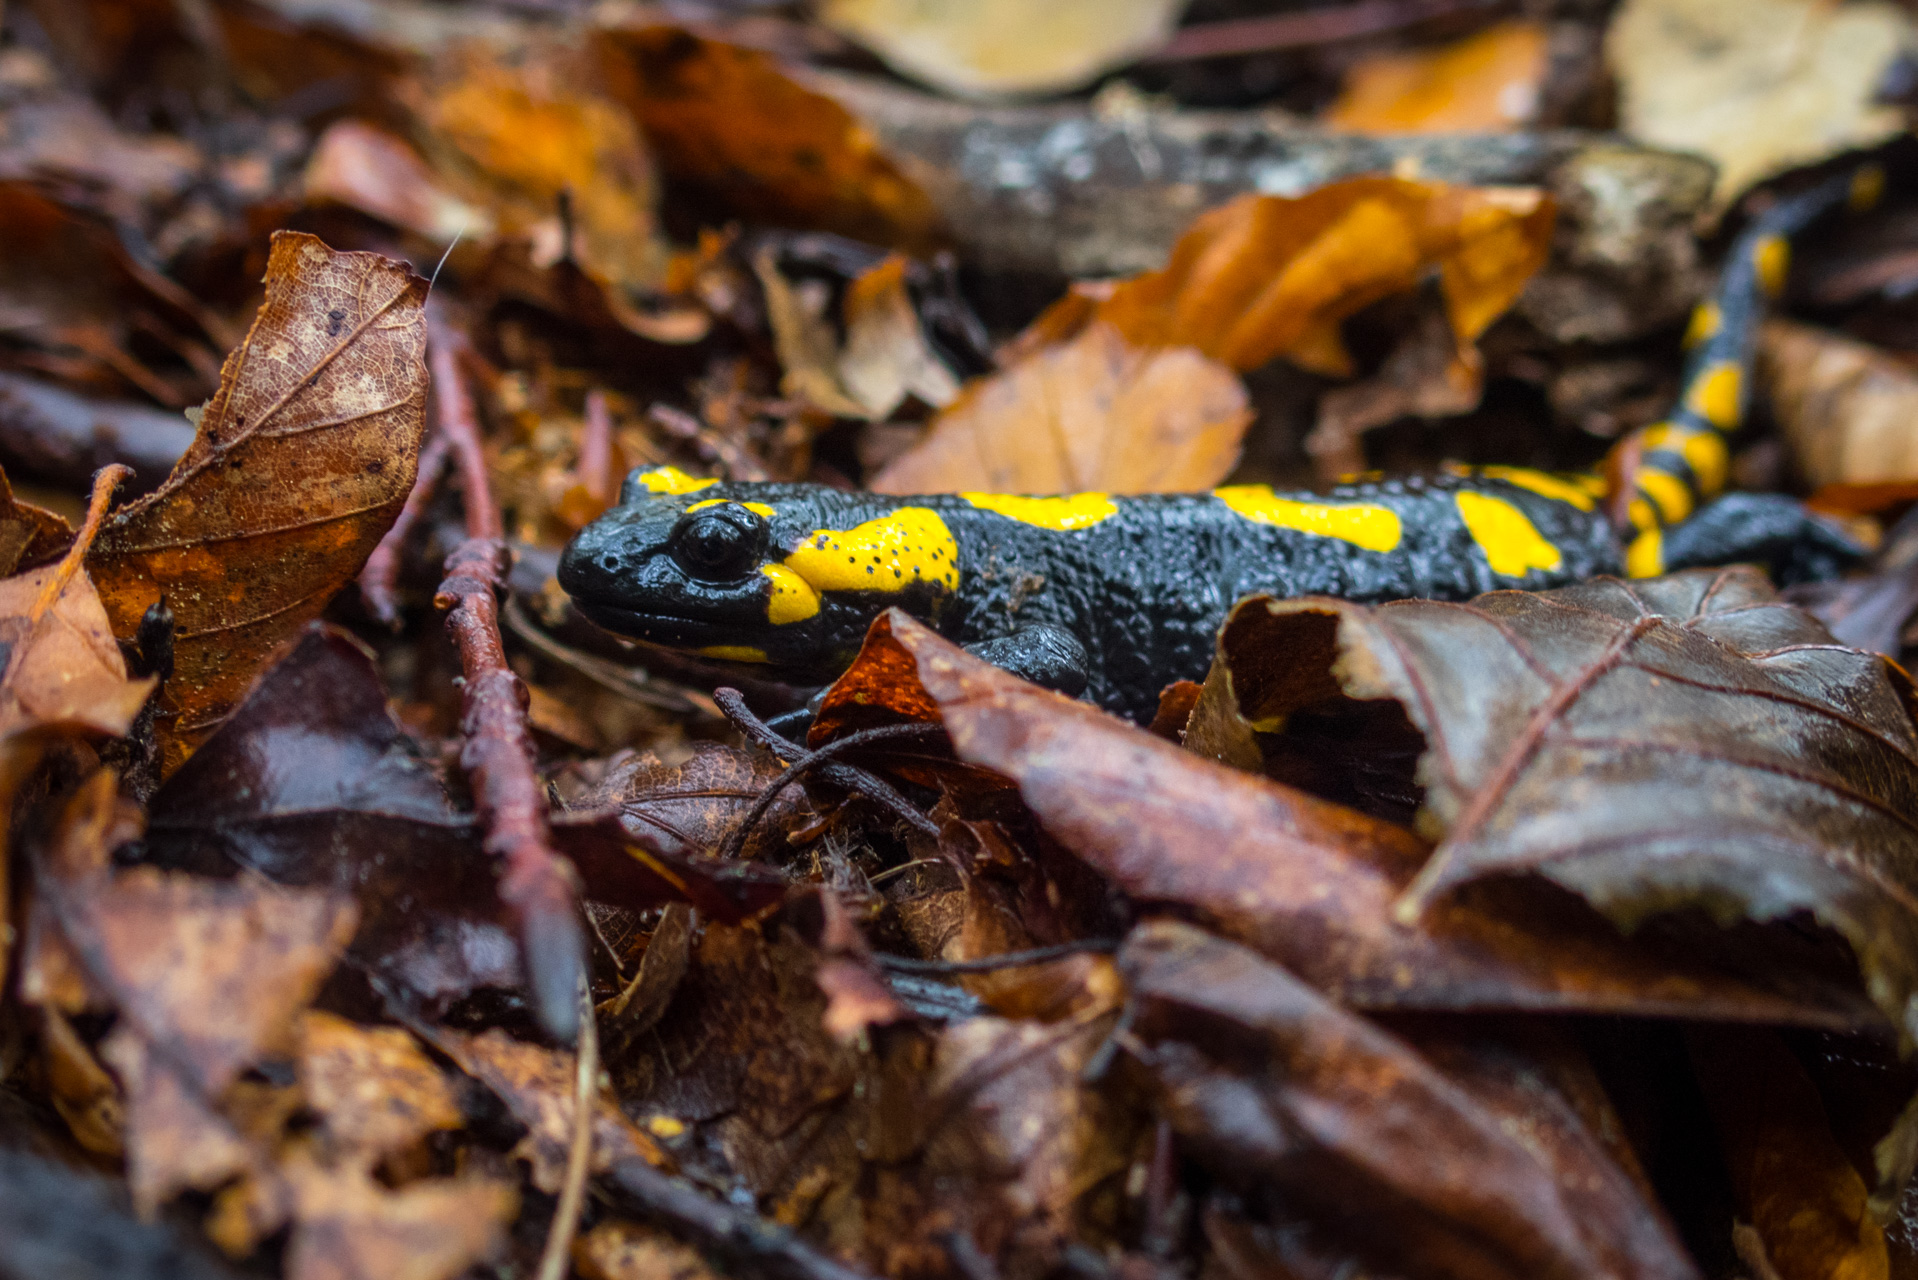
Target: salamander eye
(722, 543)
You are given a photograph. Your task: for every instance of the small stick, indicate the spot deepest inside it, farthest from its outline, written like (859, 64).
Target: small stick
(379, 579)
(536, 882)
(1302, 29)
(1004, 960)
(821, 761)
(751, 1243)
(553, 1261)
(595, 469)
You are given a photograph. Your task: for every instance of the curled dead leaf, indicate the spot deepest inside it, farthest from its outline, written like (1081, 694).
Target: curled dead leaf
(301, 462)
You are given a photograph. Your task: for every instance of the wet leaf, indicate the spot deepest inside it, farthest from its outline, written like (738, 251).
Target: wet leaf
(731, 125)
(538, 1085)
(1679, 742)
(376, 1092)
(1470, 1164)
(1484, 83)
(1846, 408)
(1807, 1204)
(353, 1228)
(315, 789)
(1004, 47)
(1308, 883)
(1091, 413)
(690, 808)
(302, 460)
(1757, 87)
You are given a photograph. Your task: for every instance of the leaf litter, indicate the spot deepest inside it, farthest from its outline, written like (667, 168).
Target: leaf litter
(1560, 934)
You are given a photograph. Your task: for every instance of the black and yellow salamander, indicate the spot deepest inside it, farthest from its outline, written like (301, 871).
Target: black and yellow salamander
(1115, 596)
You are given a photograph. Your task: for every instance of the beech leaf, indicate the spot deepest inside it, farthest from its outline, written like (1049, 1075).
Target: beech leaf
(302, 460)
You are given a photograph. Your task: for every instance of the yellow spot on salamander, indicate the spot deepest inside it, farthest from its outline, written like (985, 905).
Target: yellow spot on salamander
(1671, 495)
(1704, 452)
(1076, 511)
(887, 554)
(1511, 545)
(1645, 558)
(1771, 258)
(733, 653)
(1641, 515)
(1714, 395)
(1363, 524)
(757, 508)
(1706, 321)
(1543, 484)
(671, 480)
(793, 599)
(665, 1127)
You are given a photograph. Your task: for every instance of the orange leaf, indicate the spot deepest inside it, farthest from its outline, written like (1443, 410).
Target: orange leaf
(1485, 82)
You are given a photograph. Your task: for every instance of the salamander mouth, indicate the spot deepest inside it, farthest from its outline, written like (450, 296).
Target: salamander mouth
(662, 629)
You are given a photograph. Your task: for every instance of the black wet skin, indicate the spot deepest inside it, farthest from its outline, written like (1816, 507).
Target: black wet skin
(1143, 590)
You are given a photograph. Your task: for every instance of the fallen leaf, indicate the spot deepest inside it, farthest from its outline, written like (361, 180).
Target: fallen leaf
(1806, 1202)
(887, 357)
(1308, 883)
(1485, 83)
(1759, 87)
(1426, 375)
(621, 1250)
(537, 1085)
(325, 791)
(1133, 391)
(1002, 48)
(29, 535)
(690, 808)
(803, 336)
(729, 125)
(1478, 1168)
(1269, 276)
(376, 1092)
(352, 1228)
(1678, 742)
(301, 462)
(516, 129)
(366, 168)
(1095, 412)
(1846, 408)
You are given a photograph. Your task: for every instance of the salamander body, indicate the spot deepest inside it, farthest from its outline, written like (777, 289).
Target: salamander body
(1118, 596)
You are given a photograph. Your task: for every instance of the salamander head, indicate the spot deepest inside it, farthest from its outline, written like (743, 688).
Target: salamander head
(755, 572)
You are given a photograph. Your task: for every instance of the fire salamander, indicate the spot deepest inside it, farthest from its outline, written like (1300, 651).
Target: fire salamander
(1114, 596)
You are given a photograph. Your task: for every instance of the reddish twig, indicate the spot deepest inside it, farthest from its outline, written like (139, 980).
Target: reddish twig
(596, 470)
(537, 883)
(379, 580)
(1302, 29)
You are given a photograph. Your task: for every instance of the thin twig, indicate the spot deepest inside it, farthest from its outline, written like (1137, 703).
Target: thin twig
(1004, 960)
(554, 1260)
(536, 882)
(379, 579)
(595, 468)
(104, 483)
(1303, 29)
(751, 1243)
(859, 781)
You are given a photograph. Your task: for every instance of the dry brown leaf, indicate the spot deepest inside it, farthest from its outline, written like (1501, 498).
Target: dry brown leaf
(302, 461)
(537, 1086)
(63, 667)
(29, 535)
(1270, 276)
(1130, 389)
(887, 357)
(1847, 407)
(1759, 86)
(995, 48)
(1095, 412)
(366, 168)
(804, 339)
(517, 129)
(352, 1228)
(727, 123)
(621, 1250)
(1484, 83)
(376, 1092)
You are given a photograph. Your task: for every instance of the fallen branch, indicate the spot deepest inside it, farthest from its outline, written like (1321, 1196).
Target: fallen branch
(536, 882)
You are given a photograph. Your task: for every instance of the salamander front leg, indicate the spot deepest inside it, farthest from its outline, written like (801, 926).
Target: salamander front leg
(1049, 656)
(1767, 529)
